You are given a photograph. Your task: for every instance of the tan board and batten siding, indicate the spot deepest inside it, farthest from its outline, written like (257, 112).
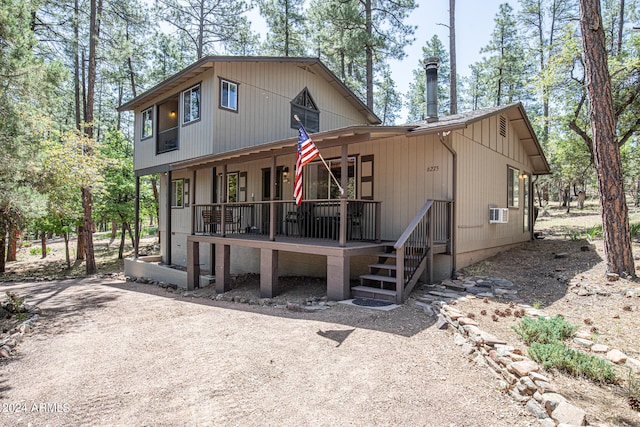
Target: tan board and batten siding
(483, 158)
(407, 172)
(265, 91)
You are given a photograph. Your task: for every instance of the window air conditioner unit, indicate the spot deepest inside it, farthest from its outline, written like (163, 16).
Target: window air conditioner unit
(498, 215)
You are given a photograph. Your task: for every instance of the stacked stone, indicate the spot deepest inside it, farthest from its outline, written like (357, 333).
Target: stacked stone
(517, 373)
(9, 341)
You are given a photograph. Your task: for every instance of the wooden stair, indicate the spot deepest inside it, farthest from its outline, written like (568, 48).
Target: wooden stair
(380, 283)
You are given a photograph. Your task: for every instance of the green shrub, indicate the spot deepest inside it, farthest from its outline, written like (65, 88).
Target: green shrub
(634, 228)
(575, 363)
(14, 303)
(38, 250)
(544, 331)
(593, 232)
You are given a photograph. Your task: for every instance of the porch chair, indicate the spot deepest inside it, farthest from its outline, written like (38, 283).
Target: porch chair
(300, 220)
(213, 221)
(354, 218)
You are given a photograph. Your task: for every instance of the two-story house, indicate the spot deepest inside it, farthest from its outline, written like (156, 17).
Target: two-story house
(420, 200)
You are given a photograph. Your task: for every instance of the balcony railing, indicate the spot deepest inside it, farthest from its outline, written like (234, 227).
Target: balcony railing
(167, 140)
(340, 220)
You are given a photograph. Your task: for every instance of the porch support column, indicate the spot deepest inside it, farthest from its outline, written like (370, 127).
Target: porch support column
(344, 181)
(338, 286)
(167, 237)
(136, 220)
(268, 273)
(223, 208)
(193, 264)
(272, 204)
(223, 268)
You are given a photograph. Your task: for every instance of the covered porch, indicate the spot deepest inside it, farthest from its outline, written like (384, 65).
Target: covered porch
(255, 214)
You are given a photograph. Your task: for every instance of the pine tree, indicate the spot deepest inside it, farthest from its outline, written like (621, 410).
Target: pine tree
(355, 38)
(205, 25)
(287, 28)
(507, 65)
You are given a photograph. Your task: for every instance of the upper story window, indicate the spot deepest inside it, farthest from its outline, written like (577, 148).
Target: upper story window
(305, 108)
(228, 95)
(191, 104)
(147, 123)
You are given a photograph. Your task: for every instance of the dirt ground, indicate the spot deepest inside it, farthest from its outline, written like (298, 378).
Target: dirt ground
(121, 353)
(108, 352)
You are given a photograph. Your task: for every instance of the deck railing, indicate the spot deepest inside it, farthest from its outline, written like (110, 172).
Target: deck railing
(341, 220)
(414, 249)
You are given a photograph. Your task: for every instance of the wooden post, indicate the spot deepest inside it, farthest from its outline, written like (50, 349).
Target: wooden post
(193, 264)
(272, 203)
(268, 273)
(430, 218)
(378, 220)
(223, 268)
(399, 274)
(343, 223)
(167, 240)
(136, 220)
(338, 277)
(223, 206)
(344, 181)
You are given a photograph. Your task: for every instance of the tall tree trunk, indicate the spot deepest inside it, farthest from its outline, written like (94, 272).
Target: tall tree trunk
(286, 27)
(122, 240)
(200, 47)
(43, 244)
(87, 221)
(12, 245)
(80, 244)
(67, 256)
(620, 27)
(369, 53)
(3, 234)
(76, 62)
(87, 224)
(453, 79)
(615, 217)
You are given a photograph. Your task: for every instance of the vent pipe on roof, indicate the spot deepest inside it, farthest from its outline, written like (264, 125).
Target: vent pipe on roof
(431, 65)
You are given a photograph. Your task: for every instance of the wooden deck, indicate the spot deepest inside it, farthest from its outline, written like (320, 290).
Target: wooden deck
(338, 257)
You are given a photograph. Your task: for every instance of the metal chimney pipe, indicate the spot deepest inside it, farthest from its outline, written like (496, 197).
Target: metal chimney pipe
(431, 65)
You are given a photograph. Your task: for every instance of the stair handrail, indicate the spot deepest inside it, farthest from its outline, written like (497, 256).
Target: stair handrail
(400, 247)
(413, 224)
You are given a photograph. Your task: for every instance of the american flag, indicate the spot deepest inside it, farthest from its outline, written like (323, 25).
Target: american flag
(307, 151)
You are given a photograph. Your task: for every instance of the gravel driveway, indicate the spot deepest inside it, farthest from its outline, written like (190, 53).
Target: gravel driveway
(106, 352)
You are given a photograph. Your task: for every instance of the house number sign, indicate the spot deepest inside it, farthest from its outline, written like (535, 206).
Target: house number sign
(433, 168)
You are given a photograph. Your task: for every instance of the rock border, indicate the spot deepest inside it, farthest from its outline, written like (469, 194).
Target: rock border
(518, 374)
(11, 339)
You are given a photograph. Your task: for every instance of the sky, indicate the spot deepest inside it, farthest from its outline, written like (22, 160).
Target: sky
(474, 24)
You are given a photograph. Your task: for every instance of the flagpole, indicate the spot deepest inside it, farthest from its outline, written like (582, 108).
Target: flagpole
(295, 116)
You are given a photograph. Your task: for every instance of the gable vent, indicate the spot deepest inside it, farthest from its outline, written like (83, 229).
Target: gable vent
(503, 126)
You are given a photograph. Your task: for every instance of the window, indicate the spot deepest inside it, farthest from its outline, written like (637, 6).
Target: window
(177, 193)
(191, 105)
(513, 187)
(318, 184)
(228, 95)
(232, 187)
(305, 108)
(147, 123)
